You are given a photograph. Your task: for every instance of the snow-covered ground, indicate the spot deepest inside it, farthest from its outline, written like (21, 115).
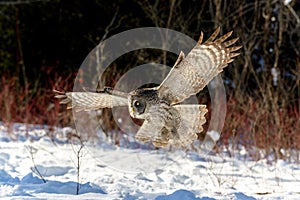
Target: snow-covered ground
(109, 172)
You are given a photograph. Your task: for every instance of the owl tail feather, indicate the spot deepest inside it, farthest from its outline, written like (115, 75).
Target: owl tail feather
(192, 117)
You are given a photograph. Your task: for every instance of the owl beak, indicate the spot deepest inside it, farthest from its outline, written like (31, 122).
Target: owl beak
(132, 114)
(132, 110)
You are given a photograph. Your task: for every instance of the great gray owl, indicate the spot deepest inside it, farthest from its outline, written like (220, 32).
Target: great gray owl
(166, 121)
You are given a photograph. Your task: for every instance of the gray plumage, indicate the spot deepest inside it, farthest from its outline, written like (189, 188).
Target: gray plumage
(165, 120)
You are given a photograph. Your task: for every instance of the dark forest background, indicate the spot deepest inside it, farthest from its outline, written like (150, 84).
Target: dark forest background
(44, 42)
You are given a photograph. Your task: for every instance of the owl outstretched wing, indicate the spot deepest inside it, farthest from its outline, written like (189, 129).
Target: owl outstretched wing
(176, 126)
(192, 73)
(87, 101)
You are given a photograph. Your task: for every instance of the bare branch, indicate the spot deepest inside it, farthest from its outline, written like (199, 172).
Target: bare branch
(293, 13)
(20, 2)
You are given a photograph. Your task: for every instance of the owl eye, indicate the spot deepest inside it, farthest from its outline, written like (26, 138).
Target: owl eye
(139, 106)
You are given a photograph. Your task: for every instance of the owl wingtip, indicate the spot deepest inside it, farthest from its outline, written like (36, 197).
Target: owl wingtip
(58, 91)
(238, 47)
(200, 39)
(214, 35)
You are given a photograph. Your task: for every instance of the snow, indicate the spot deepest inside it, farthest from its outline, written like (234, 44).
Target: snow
(134, 172)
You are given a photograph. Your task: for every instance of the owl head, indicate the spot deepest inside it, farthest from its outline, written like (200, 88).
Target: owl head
(140, 101)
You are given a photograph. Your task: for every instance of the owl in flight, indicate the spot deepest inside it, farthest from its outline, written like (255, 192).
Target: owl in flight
(166, 121)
